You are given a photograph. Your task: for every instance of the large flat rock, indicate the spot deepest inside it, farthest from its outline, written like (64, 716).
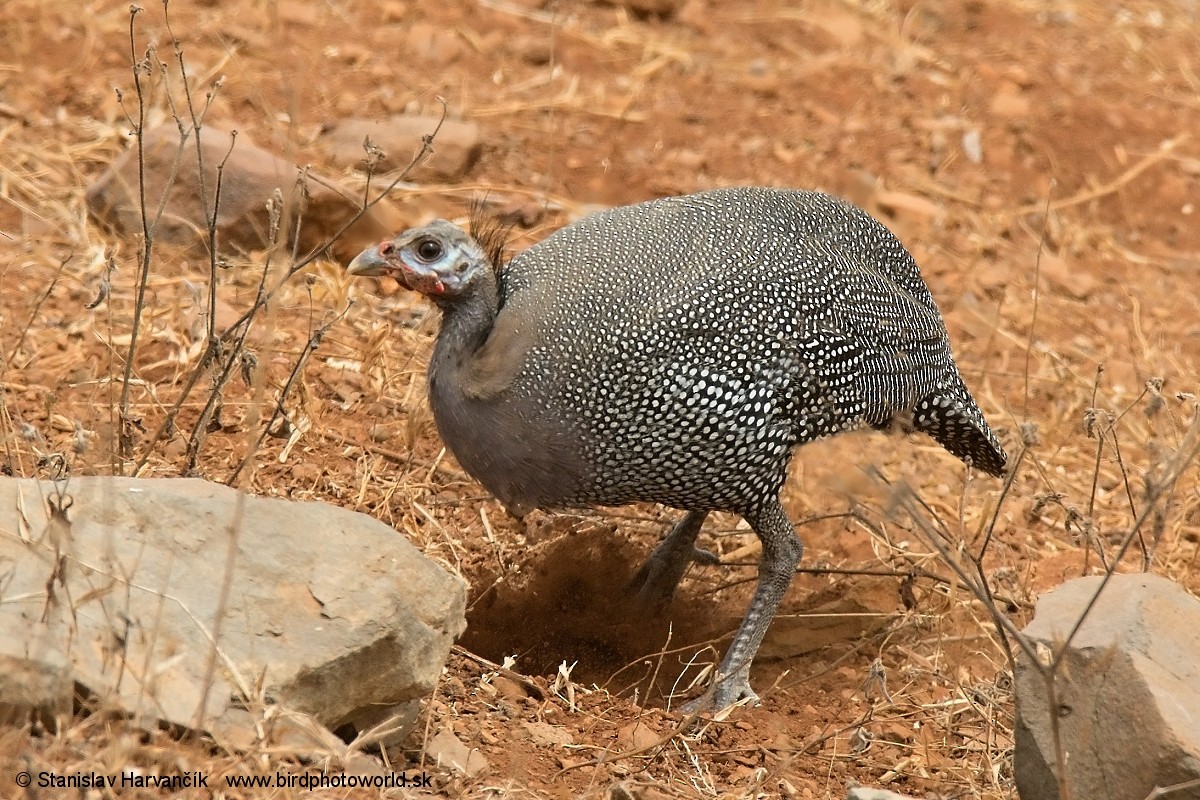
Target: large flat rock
(329, 612)
(1127, 695)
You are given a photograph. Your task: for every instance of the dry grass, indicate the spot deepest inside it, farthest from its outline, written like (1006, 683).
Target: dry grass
(1062, 263)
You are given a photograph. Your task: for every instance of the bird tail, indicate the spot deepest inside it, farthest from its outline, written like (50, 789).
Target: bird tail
(950, 415)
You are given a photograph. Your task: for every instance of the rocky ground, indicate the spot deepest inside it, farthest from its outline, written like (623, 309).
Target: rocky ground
(1039, 159)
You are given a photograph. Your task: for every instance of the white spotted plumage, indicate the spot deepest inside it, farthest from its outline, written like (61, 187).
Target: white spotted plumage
(717, 331)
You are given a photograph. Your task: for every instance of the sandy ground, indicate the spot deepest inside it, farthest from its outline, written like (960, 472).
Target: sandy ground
(1039, 160)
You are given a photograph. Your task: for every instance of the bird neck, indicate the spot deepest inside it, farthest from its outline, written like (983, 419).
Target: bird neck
(466, 324)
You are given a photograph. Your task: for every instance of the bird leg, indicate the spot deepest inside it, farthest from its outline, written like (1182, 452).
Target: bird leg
(656, 581)
(781, 551)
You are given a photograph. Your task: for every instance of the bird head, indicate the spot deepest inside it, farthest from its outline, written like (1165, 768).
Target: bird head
(439, 260)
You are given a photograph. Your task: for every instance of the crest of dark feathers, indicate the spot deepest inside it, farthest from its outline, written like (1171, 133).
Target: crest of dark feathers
(490, 232)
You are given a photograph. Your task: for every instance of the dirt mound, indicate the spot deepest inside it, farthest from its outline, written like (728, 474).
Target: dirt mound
(567, 601)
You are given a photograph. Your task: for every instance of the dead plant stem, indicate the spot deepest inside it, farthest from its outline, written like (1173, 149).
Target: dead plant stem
(147, 247)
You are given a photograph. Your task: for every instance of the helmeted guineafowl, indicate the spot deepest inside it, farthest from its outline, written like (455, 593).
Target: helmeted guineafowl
(677, 351)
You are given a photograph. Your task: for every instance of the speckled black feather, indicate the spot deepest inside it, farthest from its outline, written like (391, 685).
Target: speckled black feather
(692, 342)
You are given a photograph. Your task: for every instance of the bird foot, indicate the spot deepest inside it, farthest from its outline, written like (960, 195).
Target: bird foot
(727, 692)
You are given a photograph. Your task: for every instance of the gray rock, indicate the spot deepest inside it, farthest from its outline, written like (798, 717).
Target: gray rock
(456, 147)
(249, 178)
(330, 613)
(1128, 691)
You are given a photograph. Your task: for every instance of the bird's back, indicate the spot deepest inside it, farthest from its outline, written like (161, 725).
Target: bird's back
(693, 341)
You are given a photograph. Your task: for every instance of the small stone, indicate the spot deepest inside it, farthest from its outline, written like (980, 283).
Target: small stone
(381, 433)
(637, 736)
(305, 474)
(544, 733)
(249, 178)
(456, 146)
(867, 793)
(446, 750)
(509, 688)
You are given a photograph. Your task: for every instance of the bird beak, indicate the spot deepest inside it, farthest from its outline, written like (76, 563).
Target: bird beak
(368, 262)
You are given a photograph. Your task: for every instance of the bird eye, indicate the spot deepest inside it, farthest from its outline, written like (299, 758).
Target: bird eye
(429, 250)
